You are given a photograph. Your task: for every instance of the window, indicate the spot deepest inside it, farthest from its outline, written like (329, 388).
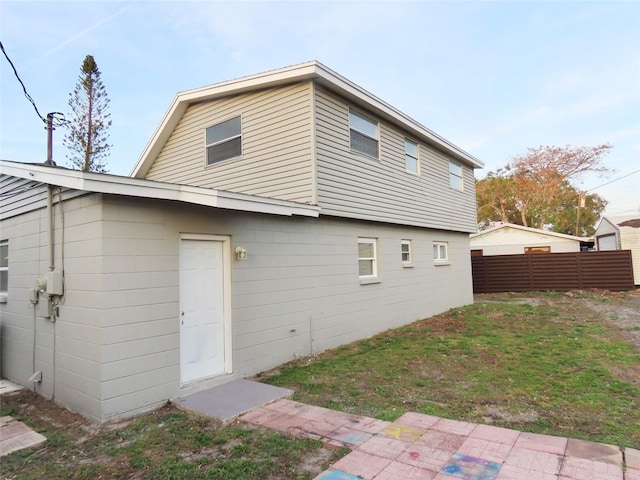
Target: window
(440, 252)
(364, 134)
(405, 249)
(4, 266)
(535, 250)
(455, 175)
(224, 141)
(367, 265)
(411, 156)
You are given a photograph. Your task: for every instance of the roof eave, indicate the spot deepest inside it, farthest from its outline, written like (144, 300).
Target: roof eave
(118, 185)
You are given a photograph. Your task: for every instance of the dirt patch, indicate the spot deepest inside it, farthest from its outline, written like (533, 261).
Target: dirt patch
(618, 309)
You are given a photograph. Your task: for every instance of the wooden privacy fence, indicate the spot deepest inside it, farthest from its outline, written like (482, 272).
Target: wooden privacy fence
(610, 270)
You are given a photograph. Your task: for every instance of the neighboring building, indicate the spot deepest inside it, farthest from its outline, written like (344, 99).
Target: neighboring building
(512, 239)
(270, 217)
(621, 233)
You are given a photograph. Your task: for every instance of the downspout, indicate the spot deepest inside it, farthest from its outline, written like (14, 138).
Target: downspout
(50, 161)
(50, 229)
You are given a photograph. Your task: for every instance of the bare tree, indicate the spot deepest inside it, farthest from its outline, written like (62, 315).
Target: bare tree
(535, 188)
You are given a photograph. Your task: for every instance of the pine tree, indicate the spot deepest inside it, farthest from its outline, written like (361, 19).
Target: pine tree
(88, 127)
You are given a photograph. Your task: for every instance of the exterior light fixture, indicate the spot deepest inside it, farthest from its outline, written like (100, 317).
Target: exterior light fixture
(241, 253)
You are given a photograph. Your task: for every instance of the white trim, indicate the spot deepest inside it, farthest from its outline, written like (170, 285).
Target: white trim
(437, 259)
(459, 186)
(206, 145)
(314, 147)
(417, 157)
(528, 229)
(228, 307)
(135, 187)
(406, 263)
(309, 71)
(373, 259)
(4, 293)
(374, 123)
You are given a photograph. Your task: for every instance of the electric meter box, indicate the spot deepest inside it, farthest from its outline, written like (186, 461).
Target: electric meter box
(54, 282)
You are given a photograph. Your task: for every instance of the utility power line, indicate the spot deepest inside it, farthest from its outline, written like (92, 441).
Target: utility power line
(57, 122)
(612, 181)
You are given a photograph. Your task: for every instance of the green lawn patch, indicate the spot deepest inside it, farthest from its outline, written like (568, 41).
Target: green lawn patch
(540, 369)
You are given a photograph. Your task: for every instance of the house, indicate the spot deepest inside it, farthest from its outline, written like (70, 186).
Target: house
(512, 239)
(621, 233)
(269, 218)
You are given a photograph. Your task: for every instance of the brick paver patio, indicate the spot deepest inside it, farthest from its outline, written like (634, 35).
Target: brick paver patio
(425, 447)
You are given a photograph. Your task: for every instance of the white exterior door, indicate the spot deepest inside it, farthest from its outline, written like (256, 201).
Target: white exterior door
(203, 313)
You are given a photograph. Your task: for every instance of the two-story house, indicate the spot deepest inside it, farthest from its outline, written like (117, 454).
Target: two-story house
(270, 217)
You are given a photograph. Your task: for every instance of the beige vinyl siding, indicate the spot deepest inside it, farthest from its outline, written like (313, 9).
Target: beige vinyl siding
(276, 156)
(19, 196)
(357, 186)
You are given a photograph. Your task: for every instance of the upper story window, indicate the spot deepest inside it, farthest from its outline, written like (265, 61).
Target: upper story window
(4, 266)
(224, 141)
(440, 252)
(455, 175)
(364, 134)
(411, 156)
(367, 262)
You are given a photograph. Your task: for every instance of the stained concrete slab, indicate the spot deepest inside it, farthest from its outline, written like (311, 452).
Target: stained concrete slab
(594, 451)
(230, 400)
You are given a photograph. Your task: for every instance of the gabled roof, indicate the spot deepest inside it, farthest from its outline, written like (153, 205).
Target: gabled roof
(527, 229)
(622, 222)
(297, 73)
(119, 185)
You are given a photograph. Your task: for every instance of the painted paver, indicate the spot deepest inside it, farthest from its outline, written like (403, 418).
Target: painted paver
(420, 446)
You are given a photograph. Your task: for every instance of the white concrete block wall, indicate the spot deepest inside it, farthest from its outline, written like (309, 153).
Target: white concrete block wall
(74, 365)
(117, 338)
(140, 314)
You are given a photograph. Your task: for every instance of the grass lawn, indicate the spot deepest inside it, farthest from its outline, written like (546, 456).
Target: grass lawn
(166, 444)
(548, 363)
(558, 368)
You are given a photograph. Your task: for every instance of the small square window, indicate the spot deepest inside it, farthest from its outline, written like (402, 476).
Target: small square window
(4, 266)
(440, 252)
(405, 251)
(363, 134)
(224, 141)
(411, 156)
(367, 263)
(536, 250)
(455, 175)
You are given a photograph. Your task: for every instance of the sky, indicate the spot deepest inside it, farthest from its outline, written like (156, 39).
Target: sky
(493, 77)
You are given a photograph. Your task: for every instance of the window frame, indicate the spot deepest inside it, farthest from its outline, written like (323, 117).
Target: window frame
(222, 141)
(353, 128)
(415, 157)
(456, 180)
(437, 258)
(4, 267)
(373, 259)
(537, 250)
(408, 252)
